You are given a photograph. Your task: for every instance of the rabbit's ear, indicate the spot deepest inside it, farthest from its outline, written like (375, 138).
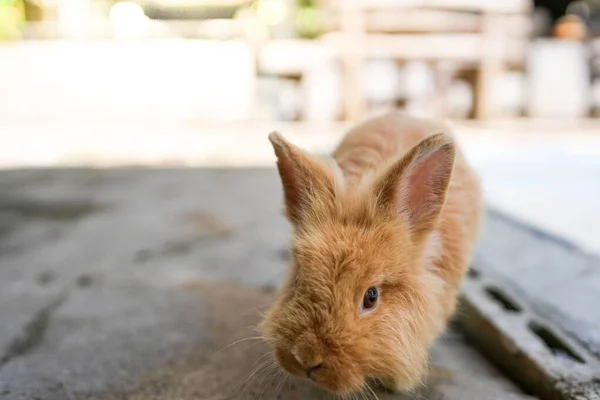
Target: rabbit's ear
(306, 180)
(415, 187)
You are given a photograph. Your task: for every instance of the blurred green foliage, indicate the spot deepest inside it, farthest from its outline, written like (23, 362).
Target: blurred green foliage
(309, 19)
(12, 15)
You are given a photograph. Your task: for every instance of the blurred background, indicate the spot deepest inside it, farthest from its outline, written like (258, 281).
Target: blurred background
(201, 82)
(298, 60)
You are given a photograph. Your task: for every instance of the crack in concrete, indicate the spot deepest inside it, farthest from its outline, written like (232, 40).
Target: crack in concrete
(33, 333)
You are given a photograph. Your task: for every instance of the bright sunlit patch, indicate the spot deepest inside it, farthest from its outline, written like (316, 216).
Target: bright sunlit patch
(128, 19)
(271, 12)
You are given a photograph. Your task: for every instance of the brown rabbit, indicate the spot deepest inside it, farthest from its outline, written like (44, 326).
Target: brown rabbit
(383, 235)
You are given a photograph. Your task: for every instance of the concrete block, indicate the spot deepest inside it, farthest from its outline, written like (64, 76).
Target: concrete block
(550, 269)
(504, 323)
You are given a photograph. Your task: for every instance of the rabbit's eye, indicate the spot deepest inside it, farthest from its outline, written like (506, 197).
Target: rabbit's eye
(370, 298)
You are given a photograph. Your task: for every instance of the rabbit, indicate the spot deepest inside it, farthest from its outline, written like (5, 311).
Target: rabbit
(383, 233)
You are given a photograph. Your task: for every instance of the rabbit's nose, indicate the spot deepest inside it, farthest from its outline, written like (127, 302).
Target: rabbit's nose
(308, 359)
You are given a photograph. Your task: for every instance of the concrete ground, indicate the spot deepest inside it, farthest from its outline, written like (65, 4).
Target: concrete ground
(130, 284)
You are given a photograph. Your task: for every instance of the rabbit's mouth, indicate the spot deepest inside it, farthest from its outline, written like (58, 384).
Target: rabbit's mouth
(329, 375)
(338, 382)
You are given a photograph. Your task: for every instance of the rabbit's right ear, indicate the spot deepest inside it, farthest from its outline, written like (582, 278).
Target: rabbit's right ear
(307, 182)
(414, 188)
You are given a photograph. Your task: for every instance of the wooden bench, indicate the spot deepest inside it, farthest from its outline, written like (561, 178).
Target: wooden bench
(485, 37)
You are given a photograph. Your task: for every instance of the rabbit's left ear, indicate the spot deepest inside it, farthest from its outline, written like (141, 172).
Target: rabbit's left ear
(414, 188)
(307, 182)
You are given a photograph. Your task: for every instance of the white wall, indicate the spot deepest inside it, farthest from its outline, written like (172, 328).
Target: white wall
(109, 80)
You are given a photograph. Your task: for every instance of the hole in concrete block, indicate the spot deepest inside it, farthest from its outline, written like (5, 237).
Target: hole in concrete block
(500, 297)
(554, 343)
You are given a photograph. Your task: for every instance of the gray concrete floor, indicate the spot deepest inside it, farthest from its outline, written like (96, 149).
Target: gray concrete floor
(126, 284)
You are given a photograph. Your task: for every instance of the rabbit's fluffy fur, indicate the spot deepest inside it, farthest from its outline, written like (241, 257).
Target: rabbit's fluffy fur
(397, 208)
